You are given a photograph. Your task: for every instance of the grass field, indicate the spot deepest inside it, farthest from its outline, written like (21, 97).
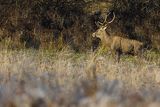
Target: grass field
(48, 78)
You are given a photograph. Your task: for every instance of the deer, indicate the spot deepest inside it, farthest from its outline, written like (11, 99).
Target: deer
(117, 44)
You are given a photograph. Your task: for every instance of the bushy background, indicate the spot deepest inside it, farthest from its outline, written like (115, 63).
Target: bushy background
(59, 23)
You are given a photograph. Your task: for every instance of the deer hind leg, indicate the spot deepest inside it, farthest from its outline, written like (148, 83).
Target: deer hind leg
(113, 54)
(141, 52)
(138, 53)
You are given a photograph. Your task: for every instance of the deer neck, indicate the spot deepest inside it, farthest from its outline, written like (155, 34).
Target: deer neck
(107, 39)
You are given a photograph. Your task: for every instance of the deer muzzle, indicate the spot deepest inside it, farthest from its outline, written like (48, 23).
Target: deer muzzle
(94, 35)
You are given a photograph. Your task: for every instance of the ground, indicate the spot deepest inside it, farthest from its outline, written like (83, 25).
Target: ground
(49, 78)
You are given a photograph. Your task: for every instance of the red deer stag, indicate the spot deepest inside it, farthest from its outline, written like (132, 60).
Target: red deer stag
(117, 44)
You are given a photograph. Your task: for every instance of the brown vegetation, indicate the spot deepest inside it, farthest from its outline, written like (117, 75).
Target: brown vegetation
(31, 78)
(70, 22)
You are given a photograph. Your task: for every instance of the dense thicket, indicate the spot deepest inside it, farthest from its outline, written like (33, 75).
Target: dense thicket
(139, 19)
(71, 22)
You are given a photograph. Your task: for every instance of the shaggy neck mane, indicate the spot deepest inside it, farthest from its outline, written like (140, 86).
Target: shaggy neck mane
(107, 34)
(107, 40)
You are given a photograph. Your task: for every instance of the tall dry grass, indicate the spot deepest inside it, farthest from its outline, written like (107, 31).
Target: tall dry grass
(47, 78)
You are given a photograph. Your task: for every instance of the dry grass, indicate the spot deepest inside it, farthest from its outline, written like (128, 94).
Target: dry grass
(49, 78)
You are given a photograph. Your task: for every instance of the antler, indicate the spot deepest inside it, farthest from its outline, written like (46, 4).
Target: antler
(112, 18)
(106, 17)
(98, 23)
(103, 24)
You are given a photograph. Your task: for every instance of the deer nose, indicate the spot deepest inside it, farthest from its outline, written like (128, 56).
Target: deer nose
(93, 35)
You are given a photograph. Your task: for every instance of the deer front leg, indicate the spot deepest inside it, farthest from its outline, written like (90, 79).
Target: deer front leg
(114, 55)
(118, 54)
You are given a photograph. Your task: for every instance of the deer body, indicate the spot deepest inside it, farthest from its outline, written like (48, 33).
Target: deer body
(117, 44)
(125, 45)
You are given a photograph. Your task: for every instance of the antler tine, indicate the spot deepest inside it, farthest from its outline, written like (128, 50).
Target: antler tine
(105, 20)
(106, 17)
(98, 23)
(112, 18)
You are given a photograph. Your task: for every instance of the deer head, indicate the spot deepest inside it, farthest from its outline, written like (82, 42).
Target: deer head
(102, 27)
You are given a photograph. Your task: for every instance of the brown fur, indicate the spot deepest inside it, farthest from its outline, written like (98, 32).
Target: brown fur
(117, 44)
